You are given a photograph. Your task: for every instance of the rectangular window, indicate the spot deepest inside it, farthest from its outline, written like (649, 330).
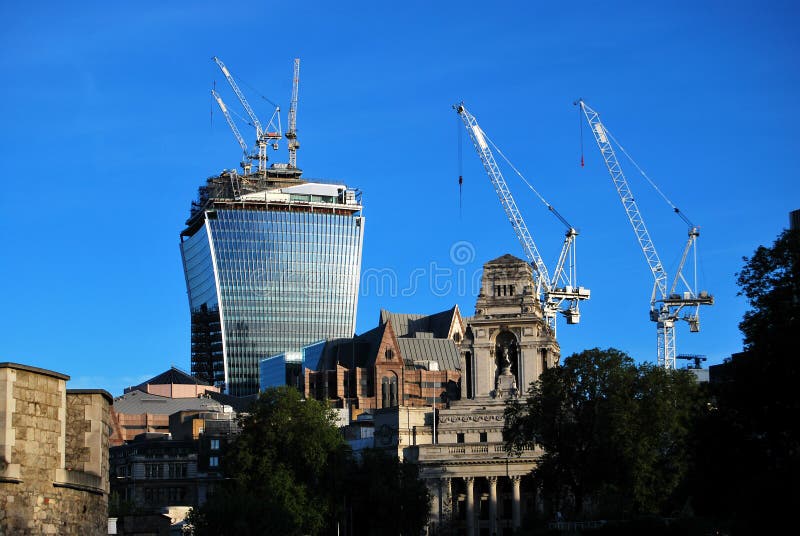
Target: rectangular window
(215, 444)
(484, 438)
(213, 461)
(178, 470)
(153, 470)
(459, 438)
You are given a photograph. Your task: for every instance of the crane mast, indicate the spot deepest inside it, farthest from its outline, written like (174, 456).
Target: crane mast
(291, 133)
(665, 307)
(553, 298)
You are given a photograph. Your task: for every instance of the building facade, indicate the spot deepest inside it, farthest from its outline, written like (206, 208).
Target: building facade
(286, 368)
(476, 485)
(53, 454)
(272, 263)
(171, 433)
(147, 407)
(407, 360)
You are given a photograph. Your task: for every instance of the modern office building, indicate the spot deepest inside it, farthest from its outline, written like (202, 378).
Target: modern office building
(286, 368)
(272, 263)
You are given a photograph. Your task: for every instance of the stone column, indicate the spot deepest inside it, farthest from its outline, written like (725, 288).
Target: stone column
(515, 516)
(470, 481)
(435, 487)
(446, 488)
(492, 504)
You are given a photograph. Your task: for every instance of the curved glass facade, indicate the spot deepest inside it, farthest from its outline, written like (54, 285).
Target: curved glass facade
(277, 279)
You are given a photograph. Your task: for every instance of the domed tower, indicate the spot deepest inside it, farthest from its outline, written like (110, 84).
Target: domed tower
(508, 343)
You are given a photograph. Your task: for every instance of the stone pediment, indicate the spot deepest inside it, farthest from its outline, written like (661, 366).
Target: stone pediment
(507, 259)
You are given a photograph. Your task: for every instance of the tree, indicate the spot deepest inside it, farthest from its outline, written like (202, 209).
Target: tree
(748, 442)
(385, 495)
(285, 471)
(612, 433)
(770, 280)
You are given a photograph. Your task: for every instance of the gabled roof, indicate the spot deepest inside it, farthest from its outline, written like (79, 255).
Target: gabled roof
(507, 259)
(172, 376)
(410, 325)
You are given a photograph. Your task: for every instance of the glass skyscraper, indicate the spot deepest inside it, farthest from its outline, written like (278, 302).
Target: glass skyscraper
(272, 264)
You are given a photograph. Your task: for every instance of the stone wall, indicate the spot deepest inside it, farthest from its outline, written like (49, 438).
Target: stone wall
(53, 454)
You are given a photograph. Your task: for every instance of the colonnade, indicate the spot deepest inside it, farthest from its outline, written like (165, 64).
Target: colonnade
(447, 502)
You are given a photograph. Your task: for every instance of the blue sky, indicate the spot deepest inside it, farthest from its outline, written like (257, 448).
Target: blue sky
(108, 132)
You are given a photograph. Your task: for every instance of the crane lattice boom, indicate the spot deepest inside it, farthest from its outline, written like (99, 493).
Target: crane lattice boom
(291, 133)
(665, 307)
(551, 296)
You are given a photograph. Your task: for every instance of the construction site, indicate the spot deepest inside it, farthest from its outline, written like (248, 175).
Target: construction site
(674, 298)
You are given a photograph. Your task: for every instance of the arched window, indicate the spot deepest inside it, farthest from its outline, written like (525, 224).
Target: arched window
(389, 391)
(507, 353)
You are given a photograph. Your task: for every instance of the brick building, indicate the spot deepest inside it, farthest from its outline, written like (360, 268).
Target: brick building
(146, 408)
(171, 433)
(407, 360)
(53, 454)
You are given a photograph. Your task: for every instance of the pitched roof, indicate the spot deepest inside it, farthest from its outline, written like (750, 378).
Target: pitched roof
(172, 376)
(138, 402)
(358, 351)
(409, 325)
(443, 351)
(507, 259)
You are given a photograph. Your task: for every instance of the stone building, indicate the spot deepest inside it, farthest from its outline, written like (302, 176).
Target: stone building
(407, 360)
(53, 454)
(477, 487)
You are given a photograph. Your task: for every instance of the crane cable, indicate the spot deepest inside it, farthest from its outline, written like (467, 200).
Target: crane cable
(460, 166)
(541, 198)
(213, 88)
(580, 127)
(649, 180)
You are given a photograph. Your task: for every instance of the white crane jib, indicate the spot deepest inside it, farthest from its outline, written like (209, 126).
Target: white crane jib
(559, 293)
(262, 136)
(245, 156)
(665, 305)
(291, 132)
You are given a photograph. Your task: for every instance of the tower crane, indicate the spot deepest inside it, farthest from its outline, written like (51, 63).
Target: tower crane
(291, 132)
(246, 157)
(665, 305)
(262, 137)
(559, 293)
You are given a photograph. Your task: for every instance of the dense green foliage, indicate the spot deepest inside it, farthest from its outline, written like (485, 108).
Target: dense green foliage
(284, 470)
(614, 434)
(290, 473)
(727, 452)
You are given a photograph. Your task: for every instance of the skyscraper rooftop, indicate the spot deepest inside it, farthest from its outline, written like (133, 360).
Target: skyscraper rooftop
(272, 263)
